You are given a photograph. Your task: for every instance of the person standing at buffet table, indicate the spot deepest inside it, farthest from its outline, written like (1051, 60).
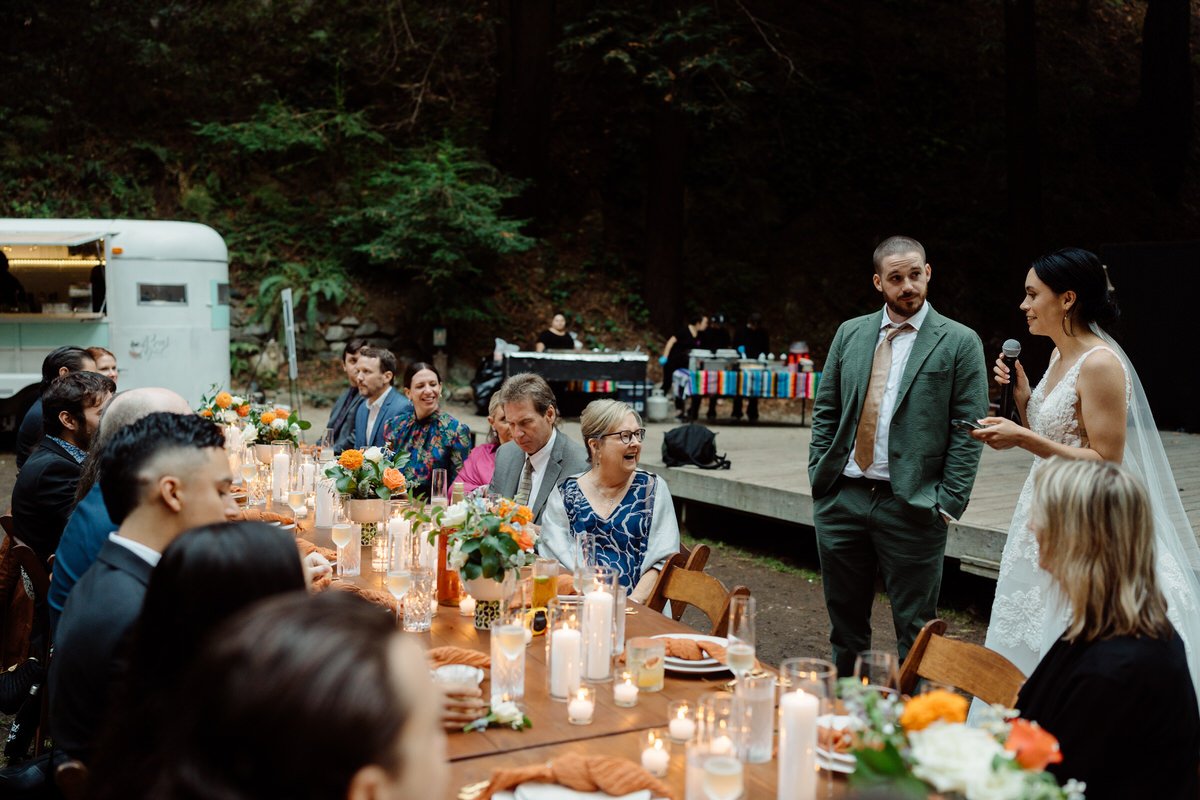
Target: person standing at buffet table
(537, 459)
(481, 464)
(888, 472)
(628, 509)
(556, 337)
(432, 438)
(59, 361)
(714, 337)
(376, 370)
(675, 356)
(339, 432)
(751, 342)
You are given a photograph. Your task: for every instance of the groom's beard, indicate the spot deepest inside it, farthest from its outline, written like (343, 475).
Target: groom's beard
(905, 308)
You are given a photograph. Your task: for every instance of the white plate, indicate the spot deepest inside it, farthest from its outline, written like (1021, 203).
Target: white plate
(833, 766)
(696, 637)
(688, 668)
(837, 722)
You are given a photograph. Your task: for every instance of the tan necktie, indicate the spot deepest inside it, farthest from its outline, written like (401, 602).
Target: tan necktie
(864, 439)
(526, 484)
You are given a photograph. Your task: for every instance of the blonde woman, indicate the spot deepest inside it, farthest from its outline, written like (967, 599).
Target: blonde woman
(629, 510)
(481, 464)
(1115, 689)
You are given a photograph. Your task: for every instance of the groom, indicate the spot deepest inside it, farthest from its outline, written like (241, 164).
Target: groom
(887, 470)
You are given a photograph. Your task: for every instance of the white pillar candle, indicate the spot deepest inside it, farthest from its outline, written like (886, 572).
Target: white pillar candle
(324, 503)
(308, 473)
(656, 760)
(598, 634)
(279, 476)
(798, 745)
(566, 650)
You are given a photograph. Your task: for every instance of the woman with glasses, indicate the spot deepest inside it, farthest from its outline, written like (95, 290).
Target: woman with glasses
(628, 510)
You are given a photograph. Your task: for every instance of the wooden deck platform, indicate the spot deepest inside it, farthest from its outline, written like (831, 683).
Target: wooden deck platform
(769, 477)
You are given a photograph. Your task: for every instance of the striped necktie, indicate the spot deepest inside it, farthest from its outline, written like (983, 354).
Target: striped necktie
(526, 484)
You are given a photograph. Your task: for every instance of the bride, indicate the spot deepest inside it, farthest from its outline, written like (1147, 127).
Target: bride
(1089, 405)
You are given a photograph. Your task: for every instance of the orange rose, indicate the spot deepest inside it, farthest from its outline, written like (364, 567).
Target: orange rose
(281, 413)
(523, 515)
(205, 412)
(503, 507)
(267, 417)
(393, 479)
(926, 709)
(350, 459)
(523, 539)
(224, 400)
(1035, 747)
(243, 410)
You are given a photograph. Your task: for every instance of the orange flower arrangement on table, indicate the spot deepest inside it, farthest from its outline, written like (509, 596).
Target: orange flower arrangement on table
(276, 425)
(222, 407)
(369, 474)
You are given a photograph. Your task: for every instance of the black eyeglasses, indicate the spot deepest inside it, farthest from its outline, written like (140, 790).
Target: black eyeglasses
(626, 436)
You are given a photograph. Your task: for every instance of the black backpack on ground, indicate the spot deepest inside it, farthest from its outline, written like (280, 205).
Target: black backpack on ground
(692, 446)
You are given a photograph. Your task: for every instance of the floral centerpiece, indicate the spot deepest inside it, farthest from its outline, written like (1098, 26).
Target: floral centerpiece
(370, 477)
(222, 407)
(503, 714)
(277, 425)
(488, 544)
(913, 746)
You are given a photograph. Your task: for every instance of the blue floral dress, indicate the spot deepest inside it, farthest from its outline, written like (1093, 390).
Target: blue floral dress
(437, 442)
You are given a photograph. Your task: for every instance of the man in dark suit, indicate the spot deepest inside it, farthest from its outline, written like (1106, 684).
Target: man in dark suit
(44, 493)
(340, 429)
(538, 458)
(376, 370)
(160, 476)
(888, 472)
(58, 362)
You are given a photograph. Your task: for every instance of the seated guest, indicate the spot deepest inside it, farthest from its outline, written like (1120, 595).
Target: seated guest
(376, 369)
(629, 510)
(297, 681)
(159, 476)
(1115, 689)
(432, 438)
(339, 432)
(537, 459)
(205, 577)
(59, 362)
(478, 469)
(89, 525)
(106, 362)
(44, 493)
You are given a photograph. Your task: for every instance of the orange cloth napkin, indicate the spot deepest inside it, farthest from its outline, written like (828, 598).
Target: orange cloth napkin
(307, 547)
(384, 599)
(614, 776)
(258, 515)
(566, 584)
(441, 656)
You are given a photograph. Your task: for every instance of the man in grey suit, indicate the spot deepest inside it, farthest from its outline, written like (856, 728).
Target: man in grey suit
(538, 458)
(888, 472)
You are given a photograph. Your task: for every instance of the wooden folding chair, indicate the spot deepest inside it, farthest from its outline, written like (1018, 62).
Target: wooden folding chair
(973, 668)
(681, 585)
(695, 560)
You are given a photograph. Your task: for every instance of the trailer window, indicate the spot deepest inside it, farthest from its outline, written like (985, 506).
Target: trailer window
(162, 294)
(222, 294)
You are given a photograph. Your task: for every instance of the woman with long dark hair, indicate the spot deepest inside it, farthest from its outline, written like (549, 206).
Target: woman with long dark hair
(432, 438)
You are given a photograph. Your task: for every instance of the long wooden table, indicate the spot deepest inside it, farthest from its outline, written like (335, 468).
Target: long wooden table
(614, 731)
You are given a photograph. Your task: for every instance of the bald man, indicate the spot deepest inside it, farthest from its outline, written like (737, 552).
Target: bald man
(89, 526)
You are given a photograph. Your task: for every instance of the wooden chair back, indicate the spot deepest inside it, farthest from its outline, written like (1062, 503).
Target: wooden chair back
(6, 523)
(34, 568)
(681, 585)
(695, 560)
(972, 668)
(71, 778)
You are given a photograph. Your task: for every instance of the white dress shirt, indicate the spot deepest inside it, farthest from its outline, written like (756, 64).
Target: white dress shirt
(902, 346)
(144, 552)
(373, 411)
(540, 459)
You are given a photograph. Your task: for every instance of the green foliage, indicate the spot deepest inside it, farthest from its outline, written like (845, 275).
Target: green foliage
(436, 215)
(312, 283)
(278, 128)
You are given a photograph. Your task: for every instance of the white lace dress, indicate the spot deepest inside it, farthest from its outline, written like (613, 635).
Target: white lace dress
(1027, 616)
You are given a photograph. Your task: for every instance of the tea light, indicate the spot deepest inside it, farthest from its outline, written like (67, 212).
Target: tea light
(581, 707)
(655, 758)
(625, 694)
(681, 725)
(721, 745)
(466, 606)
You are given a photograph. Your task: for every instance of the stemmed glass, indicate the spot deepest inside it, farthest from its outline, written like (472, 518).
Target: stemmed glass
(297, 496)
(439, 488)
(399, 570)
(740, 649)
(343, 529)
(508, 665)
(249, 466)
(878, 669)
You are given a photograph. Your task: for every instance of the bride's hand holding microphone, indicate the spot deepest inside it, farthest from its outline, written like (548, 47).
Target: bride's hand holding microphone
(1001, 433)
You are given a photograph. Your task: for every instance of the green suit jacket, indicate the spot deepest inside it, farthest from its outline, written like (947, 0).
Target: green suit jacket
(931, 465)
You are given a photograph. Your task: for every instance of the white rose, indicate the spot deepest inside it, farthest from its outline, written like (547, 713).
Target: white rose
(249, 434)
(238, 400)
(953, 757)
(1000, 784)
(454, 516)
(373, 454)
(507, 712)
(229, 416)
(457, 558)
(294, 429)
(278, 424)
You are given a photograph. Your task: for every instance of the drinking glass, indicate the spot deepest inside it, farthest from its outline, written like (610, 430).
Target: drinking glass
(419, 602)
(545, 582)
(345, 538)
(754, 708)
(508, 656)
(249, 467)
(585, 557)
(439, 488)
(723, 778)
(717, 725)
(878, 669)
(645, 658)
(297, 495)
(740, 650)
(399, 568)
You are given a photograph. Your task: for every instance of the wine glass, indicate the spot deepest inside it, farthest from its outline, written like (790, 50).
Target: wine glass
(740, 648)
(439, 488)
(297, 496)
(399, 572)
(343, 528)
(878, 669)
(723, 778)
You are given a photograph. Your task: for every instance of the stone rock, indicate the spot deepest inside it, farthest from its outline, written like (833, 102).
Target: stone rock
(256, 329)
(337, 348)
(387, 330)
(368, 328)
(461, 372)
(349, 322)
(336, 333)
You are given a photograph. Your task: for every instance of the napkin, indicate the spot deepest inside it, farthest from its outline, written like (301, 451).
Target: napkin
(384, 599)
(258, 515)
(307, 547)
(551, 791)
(612, 776)
(441, 656)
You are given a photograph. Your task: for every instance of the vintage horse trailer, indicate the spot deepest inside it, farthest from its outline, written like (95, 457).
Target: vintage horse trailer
(155, 293)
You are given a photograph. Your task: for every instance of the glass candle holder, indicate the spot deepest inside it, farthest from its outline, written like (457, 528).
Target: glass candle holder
(625, 691)
(564, 647)
(656, 755)
(582, 706)
(681, 721)
(599, 604)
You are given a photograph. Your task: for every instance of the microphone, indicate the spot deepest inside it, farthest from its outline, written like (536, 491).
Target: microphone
(1011, 350)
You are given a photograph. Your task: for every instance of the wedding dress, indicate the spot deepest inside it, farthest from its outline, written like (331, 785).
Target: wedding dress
(1029, 613)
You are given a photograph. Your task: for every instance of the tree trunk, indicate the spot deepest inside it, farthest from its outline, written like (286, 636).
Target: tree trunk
(1165, 104)
(1021, 128)
(665, 218)
(520, 132)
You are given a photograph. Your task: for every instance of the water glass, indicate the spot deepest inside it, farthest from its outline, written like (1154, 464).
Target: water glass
(508, 656)
(754, 709)
(545, 582)
(879, 669)
(585, 557)
(717, 724)
(646, 660)
(622, 595)
(740, 649)
(419, 602)
(346, 537)
(439, 488)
